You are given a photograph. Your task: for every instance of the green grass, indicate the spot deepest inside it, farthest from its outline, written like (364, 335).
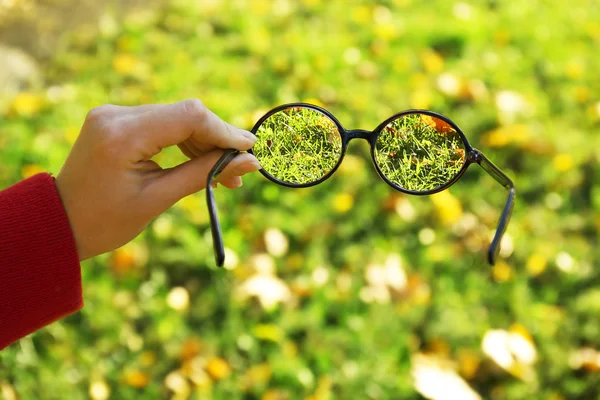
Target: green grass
(416, 152)
(298, 145)
(416, 155)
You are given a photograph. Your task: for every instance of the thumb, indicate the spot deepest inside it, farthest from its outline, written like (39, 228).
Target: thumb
(190, 177)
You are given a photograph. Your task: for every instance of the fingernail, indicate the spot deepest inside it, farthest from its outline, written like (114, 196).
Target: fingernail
(239, 183)
(248, 166)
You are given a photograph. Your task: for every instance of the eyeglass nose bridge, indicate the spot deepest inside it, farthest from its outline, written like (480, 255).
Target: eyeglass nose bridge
(358, 133)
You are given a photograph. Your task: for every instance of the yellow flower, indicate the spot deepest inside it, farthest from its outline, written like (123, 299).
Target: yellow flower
(27, 104)
(563, 162)
(218, 368)
(343, 202)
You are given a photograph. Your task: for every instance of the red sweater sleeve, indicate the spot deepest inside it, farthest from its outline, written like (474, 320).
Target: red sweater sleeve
(40, 276)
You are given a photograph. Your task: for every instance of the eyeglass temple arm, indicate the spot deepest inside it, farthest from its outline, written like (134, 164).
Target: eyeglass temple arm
(505, 181)
(215, 227)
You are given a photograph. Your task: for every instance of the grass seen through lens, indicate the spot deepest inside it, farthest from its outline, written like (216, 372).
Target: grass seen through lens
(298, 145)
(420, 153)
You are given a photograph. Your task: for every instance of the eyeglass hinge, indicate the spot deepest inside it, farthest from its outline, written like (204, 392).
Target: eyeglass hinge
(475, 156)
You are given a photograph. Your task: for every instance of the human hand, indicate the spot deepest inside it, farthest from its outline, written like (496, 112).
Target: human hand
(110, 187)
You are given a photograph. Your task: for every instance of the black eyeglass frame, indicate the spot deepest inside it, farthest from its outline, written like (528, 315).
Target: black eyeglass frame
(473, 156)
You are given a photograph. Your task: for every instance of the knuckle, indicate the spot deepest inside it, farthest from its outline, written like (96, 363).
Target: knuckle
(111, 131)
(98, 114)
(110, 137)
(194, 107)
(104, 124)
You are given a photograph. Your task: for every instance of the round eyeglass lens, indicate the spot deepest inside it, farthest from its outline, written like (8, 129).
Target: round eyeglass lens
(419, 152)
(298, 145)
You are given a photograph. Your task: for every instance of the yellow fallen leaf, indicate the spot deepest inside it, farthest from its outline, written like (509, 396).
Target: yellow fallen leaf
(361, 15)
(575, 69)
(343, 202)
(27, 104)
(563, 162)
(432, 61)
(274, 394)
(125, 64)
(421, 99)
(257, 375)
(30, 170)
(312, 100)
(521, 330)
(502, 272)
(136, 379)
(448, 207)
(468, 363)
(506, 135)
(268, 332)
(190, 348)
(147, 358)
(536, 264)
(218, 368)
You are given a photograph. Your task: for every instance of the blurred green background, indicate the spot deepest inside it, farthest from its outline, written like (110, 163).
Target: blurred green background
(348, 290)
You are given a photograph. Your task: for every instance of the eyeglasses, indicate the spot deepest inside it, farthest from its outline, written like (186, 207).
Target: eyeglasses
(416, 152)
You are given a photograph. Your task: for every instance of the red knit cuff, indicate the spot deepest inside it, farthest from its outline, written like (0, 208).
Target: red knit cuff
(40, 276)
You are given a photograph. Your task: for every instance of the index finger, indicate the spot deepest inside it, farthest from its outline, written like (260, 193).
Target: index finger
(170, 124)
